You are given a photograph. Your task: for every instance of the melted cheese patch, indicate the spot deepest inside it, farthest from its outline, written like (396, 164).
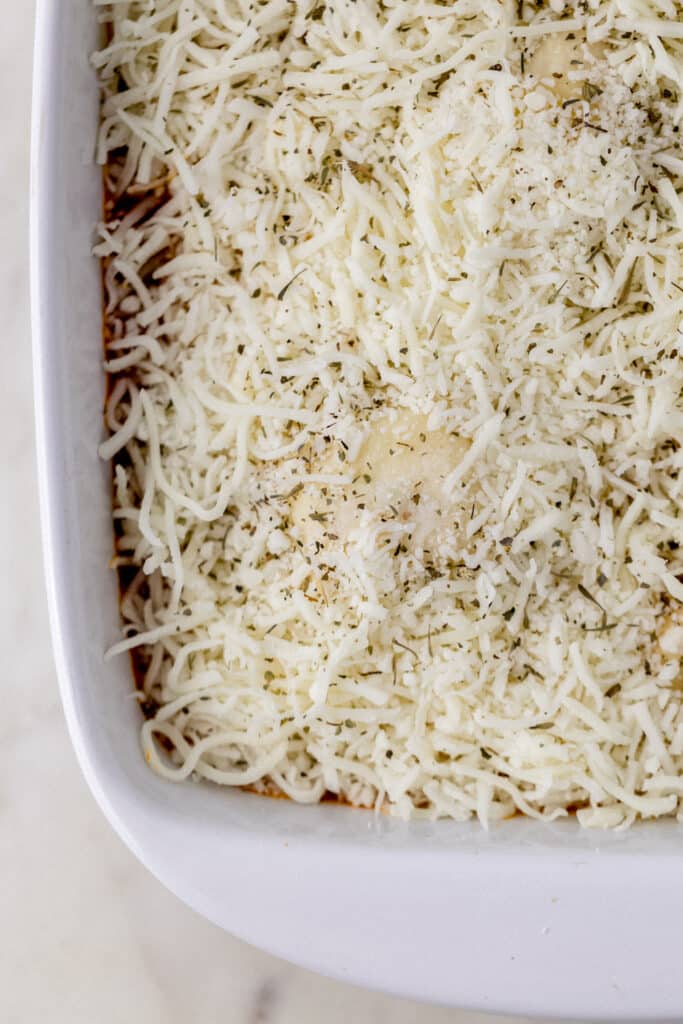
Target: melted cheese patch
(560, 62)
(396, 488)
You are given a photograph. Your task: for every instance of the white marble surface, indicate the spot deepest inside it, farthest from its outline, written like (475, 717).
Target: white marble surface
(87, 935)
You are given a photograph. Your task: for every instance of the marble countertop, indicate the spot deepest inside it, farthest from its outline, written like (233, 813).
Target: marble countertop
(88, 935)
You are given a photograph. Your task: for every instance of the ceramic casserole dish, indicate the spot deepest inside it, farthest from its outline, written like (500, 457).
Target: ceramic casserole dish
(528, 918)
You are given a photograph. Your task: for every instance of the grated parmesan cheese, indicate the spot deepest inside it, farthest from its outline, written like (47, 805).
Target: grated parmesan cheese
(394, 297)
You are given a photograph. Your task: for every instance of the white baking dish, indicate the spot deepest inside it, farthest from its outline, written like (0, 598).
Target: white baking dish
(527, 919)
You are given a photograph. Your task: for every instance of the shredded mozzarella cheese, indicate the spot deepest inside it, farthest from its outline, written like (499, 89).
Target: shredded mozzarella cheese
(394, 295)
